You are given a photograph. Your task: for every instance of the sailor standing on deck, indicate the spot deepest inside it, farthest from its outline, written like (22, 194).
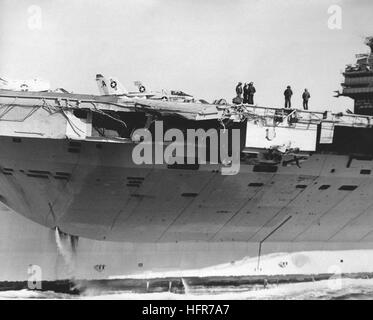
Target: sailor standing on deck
(239, 90)
(246, 93)
(238, 98)
(251, 91)
(306, 96)
(288, 93)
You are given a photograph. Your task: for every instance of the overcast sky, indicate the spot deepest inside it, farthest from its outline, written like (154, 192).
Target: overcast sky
(201, 47)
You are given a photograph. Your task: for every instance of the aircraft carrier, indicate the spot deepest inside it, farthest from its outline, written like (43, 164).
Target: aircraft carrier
(75, 204)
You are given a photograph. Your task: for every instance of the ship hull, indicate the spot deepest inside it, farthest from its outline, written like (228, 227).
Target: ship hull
(25, 243)
(132, 219)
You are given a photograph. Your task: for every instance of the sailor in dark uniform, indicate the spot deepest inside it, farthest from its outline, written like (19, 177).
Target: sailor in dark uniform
(288, 93)
(246, 93)
(251, 92)
(239, 90)
(238, 98)
(305, 96)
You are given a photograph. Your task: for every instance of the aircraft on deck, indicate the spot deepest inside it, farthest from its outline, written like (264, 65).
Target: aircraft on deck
(36, 85)
(112, 86)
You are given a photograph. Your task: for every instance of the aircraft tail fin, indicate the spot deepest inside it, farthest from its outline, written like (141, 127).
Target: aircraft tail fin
(110, 86)
(140, 86)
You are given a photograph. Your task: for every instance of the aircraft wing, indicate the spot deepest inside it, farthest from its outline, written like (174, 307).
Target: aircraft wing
(191, 111)
(34, 85)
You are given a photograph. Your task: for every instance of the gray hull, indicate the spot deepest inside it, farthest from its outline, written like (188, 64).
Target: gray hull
(133, 219)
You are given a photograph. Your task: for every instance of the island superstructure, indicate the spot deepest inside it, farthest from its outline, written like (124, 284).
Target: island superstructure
(358, 83)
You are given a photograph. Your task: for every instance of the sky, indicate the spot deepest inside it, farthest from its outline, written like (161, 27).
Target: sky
(201, 47)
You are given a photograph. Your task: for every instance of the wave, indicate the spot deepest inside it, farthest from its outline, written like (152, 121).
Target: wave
(346, 289)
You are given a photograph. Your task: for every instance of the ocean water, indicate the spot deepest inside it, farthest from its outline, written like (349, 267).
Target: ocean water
(301, 276)
(341, 289)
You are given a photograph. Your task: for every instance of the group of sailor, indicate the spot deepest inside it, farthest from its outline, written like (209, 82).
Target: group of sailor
(246, 93)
